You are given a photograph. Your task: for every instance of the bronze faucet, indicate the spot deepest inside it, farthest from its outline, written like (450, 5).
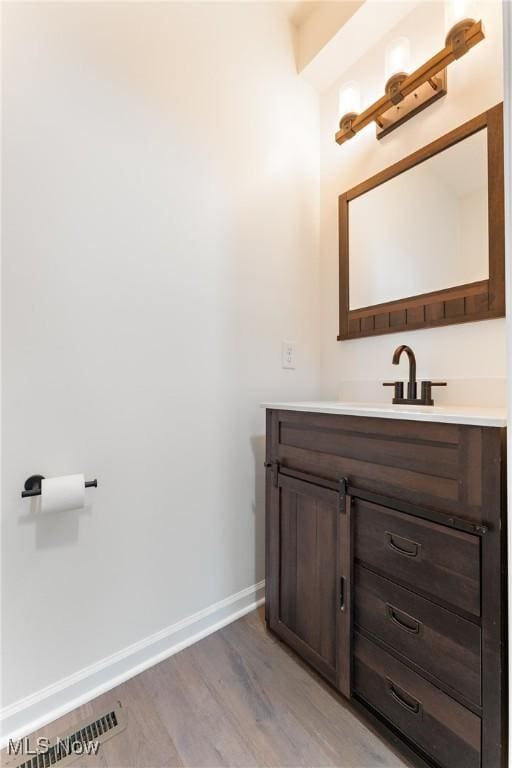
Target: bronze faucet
(412, 385)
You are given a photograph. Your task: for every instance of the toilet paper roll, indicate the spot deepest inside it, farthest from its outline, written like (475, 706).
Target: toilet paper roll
(61, 494)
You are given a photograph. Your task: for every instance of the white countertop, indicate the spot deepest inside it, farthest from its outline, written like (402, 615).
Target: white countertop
(473, 415)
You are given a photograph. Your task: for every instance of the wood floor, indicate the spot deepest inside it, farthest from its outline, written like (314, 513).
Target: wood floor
(237, 698)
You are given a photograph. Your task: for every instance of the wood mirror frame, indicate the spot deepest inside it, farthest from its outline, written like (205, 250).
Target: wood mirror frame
(460, 304)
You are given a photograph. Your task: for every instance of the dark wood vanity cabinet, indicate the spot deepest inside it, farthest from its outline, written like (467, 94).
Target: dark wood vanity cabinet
(386, 572)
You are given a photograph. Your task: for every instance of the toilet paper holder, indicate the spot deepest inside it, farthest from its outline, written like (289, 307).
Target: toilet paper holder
(33, 485)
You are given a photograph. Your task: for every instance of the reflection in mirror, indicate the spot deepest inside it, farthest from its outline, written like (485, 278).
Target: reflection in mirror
(423, 230)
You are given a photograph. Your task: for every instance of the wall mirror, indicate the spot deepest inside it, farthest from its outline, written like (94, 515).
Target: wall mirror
(422, 242)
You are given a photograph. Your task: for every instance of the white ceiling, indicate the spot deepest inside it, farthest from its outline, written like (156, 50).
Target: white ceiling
(371, 21)
(300, 11)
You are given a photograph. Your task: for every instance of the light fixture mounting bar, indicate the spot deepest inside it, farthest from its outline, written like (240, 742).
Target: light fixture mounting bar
(431, 90)
(473, 35)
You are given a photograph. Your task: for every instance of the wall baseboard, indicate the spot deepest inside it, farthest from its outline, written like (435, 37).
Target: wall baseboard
(42, 707)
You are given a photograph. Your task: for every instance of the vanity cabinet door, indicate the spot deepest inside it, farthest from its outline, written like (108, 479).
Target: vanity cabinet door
(304, 590)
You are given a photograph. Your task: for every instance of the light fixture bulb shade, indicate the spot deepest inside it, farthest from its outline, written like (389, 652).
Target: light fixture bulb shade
(349, 99)
(458, 10)
(398, 57)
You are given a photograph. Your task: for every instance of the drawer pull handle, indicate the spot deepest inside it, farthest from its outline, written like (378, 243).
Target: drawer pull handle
(403, 698)
(411, 548)
(404, 621)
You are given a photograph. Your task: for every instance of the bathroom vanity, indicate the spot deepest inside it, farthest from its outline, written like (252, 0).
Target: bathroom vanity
(386, 564)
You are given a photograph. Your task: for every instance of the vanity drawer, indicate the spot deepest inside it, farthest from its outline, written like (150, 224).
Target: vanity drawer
(443, 644)
(428, 557)
(440, 726)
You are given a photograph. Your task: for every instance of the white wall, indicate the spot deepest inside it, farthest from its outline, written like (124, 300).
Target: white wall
(160, 206)
(469, 351)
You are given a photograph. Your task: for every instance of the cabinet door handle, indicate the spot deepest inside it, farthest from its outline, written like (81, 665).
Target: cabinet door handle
(411, 548)
(404, 621)
(403, 698)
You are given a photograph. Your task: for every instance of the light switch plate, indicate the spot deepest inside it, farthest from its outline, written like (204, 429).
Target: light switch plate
(288, 354)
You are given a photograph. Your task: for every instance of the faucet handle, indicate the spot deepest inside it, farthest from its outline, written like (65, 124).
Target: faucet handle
(399, 389)
(426, 390)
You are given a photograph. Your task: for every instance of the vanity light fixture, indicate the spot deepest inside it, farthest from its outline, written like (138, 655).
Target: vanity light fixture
(407, 94)
(398, 64)
(349, 105)
(458, 19)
